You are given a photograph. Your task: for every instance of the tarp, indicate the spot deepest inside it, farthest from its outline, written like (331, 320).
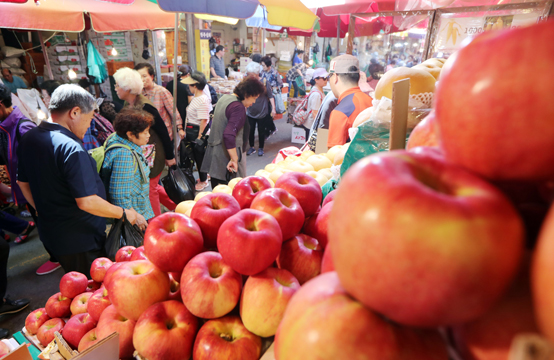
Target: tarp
(69, 16)
(240, 9)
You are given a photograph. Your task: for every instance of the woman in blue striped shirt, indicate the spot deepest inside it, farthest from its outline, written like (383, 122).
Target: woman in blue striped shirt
(124, 163)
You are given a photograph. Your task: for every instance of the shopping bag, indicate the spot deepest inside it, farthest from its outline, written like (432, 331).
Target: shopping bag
(279, 103)
(179, 184)
(122, 234)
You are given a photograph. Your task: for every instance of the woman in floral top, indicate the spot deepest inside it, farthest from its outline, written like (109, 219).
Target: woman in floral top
(129, 184)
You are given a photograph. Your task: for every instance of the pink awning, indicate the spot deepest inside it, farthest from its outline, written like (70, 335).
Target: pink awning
(69, 16)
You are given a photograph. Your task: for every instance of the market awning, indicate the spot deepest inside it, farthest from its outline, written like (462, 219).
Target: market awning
(124, 2)
(222, 19)
(240, 9)
(289, 13)
(69, 16)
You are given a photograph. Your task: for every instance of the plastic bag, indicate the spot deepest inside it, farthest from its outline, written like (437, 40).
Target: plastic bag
(122, 234)
(279, 103)
(179, 184)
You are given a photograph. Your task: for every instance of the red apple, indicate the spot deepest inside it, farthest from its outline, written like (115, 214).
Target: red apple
(165, 331)
(490, 336)
(79, 303)
(249, 241)
(174, 287)
(92, 286)
(323, 322)
(97, 303)
(72, 284)
(248, 188)
(4, 349)
(210, 212)
(136, 285)
(88, 340)
(327, 261)
(109, 273)
(304, 188)
(171, 240)
(77, 327)
(398, 216)
(138, 254)
(58, 306)
(226, 338)
(302, 256)
(124, 254)
(542, 277)
(111, 321)
(35, 320)
(330, 197)
(211, 288)
(322, 223)
(425, 133)
(265, 298)
(474, 102)
(99, 267)
(309, 225)
(283, 207)
(45, 333)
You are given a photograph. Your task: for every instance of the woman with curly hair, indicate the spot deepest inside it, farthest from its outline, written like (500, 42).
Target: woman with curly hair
(125, 167)
(229, 132)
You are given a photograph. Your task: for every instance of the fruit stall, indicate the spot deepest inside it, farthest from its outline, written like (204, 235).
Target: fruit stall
(443, 250)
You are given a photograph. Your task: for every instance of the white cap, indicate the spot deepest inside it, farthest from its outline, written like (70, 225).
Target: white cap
(320, 73)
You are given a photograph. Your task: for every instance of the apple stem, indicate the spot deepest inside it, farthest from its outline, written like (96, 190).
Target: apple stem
(226, 337)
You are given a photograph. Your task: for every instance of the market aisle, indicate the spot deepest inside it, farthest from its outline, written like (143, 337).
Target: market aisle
(23, 282)
(27, 257)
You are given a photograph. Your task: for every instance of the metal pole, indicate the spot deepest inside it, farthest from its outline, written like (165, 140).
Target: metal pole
(263, 42)
(45, 54)
(350, 39)
(176, 138)
(156, 58)
(190, 41)
(338, 34)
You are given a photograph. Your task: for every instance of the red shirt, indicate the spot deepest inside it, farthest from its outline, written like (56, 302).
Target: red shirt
(350, 104)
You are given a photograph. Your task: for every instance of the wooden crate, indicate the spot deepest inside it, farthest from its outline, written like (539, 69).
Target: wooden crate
(113, 66)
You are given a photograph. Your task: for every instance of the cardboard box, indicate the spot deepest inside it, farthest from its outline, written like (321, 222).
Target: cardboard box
(298, 135)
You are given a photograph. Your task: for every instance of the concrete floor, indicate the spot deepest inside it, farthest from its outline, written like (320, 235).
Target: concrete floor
(27, 257)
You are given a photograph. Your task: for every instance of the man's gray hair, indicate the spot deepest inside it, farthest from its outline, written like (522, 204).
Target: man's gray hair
(68, 96)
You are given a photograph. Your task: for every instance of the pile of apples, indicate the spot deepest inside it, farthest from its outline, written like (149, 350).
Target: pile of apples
(209, 285)
(456, 233)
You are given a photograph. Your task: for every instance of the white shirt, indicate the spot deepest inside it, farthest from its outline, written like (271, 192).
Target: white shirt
(207, 93)
(198, 109)
(314, 103)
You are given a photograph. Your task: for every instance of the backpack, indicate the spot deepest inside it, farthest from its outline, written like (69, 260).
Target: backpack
(103, 127)
(301, 113)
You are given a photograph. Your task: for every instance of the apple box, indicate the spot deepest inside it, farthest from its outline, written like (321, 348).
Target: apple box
(298, 135)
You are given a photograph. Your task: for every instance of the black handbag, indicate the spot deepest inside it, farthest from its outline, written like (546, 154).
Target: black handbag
(179, 184)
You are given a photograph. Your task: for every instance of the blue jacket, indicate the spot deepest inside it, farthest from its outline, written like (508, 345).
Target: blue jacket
(8, 147)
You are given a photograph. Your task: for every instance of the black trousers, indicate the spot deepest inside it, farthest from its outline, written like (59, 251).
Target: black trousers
(80, 262)
(216, 182)
(35, 219)
(262, 130)
(198, 158)
(4, 254)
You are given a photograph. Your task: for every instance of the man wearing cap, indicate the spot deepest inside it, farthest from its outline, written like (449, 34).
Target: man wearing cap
(344, 78)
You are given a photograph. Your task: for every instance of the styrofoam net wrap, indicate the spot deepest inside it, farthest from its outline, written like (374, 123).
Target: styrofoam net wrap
(426, 99)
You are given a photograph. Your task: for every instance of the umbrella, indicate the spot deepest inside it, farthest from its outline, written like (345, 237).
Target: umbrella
(69, 16)
(240, 9)
(259, 20)
(289, 13)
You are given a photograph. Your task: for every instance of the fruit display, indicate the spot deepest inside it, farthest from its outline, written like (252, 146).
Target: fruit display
(441, 251)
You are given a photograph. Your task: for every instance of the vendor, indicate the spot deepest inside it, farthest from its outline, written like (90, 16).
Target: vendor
(345, 75)
(12, 82)
(217, 64)
(294, 72)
